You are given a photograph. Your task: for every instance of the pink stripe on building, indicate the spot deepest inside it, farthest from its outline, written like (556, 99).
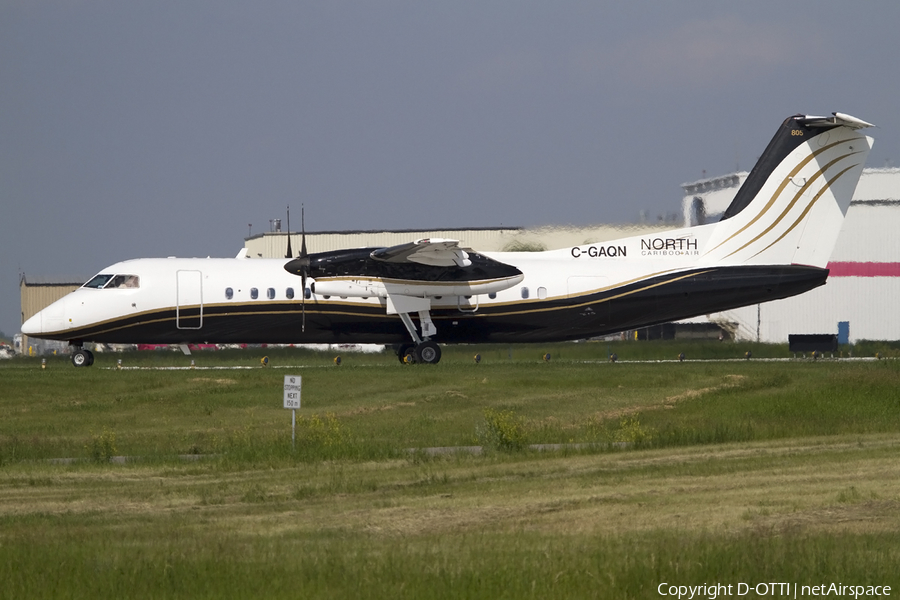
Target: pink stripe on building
(864, 269)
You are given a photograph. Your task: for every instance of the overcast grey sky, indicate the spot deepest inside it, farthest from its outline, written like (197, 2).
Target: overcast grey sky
(132, 129)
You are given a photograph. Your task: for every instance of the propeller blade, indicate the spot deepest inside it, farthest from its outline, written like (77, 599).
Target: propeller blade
(304, 268)
(289, 253)
(303, 253)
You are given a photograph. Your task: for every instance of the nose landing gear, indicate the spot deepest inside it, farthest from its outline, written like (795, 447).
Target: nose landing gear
(82, 357)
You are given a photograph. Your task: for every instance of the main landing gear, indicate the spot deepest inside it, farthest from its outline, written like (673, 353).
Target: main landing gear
(82, 357)
(422, 351)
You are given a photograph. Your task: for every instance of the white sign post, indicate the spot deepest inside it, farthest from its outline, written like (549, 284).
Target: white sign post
(292, 401)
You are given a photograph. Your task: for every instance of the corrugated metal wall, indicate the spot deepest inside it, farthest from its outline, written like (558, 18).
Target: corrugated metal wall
(274, 245)
(37, 296)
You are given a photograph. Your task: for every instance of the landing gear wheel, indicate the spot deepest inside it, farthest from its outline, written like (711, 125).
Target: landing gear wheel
(406, 354)
(82, 358)
(428, 353)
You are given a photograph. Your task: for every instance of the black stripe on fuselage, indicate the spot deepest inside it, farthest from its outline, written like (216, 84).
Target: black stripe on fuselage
(658, 299)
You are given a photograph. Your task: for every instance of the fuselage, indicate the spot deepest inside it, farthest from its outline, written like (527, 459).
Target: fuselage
(572, 293)
(774, 241)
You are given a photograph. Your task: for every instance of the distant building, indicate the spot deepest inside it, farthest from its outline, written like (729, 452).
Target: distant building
(859, 301)
(273, 244)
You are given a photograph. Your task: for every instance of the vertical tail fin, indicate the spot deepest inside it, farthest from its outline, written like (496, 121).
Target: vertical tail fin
(791, 207)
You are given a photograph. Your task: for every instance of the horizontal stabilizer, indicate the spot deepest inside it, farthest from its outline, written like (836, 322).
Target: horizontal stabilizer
(837, 119)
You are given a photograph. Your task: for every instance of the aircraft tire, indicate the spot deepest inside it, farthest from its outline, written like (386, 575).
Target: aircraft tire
(82, 358)
(428, 353)
(406, 353)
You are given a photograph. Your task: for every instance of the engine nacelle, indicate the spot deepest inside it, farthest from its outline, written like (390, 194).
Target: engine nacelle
(348, 288)
(366, 288)
(430, 289)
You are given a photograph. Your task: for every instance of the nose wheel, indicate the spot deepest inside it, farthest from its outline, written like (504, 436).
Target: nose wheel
(82, 358)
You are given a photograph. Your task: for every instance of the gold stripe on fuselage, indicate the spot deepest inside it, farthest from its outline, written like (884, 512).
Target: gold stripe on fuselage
(315, 308)
(808, 208)
(778, 191)
(794, 200)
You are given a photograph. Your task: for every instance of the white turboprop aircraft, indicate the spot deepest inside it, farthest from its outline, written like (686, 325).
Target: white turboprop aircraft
(773, 241)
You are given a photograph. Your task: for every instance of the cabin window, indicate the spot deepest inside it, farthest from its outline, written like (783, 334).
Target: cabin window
(229, 293)
(289, 293)
(492, 295)
(542, 293)
(270, 293)
(98, 281)
(524, 292)
(112, 282)
(307, 293)
(254, 293)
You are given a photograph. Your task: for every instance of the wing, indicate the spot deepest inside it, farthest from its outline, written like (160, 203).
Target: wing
(434, 252)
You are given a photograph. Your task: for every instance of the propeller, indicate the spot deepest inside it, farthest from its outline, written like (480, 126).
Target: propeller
(300, 265)
(304, 268)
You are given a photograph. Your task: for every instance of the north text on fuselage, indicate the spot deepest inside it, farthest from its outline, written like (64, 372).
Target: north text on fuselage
(669, 247)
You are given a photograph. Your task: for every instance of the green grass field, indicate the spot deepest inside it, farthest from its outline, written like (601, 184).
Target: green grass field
(692, 473)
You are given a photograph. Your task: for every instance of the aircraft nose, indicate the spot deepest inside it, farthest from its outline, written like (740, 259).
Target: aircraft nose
(34, 325)
(49, 321)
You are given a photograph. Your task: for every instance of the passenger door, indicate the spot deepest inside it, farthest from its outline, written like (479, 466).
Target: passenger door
(189, 303)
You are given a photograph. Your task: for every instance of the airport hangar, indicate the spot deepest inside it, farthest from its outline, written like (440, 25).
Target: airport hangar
(857, 303)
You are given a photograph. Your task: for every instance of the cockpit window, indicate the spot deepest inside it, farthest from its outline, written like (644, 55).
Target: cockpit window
(110, 282)
(98, 281)
(124, 282)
